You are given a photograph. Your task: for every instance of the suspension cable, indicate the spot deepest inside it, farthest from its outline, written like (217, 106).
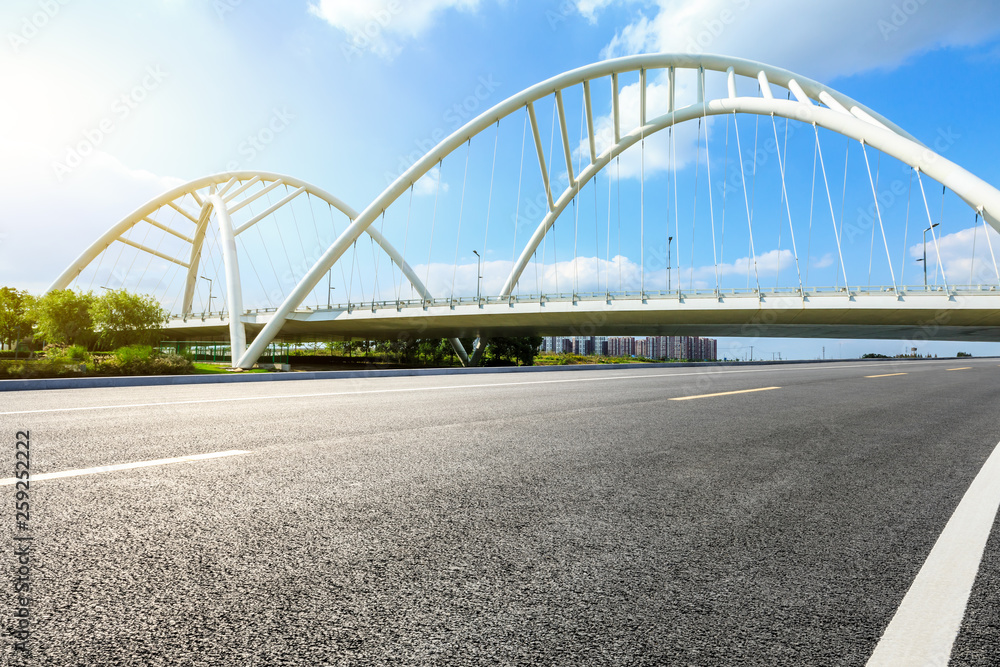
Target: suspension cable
(607, 247)
(788, 205)
(642, 213)
(812, 209)
(833, 216)
(406, 239)
(489, 203)
(254, 268)
(461, 212)
(746, 201)
(972, 264)
(878, 211)
(906, 229)
(725, 193)
(430, 244)
(694, 213)
(711, 206)
(517, 207)
(677, 210)
(376, 258)
(618, 163)
(930, 223)
(843, 204)
(990, 243)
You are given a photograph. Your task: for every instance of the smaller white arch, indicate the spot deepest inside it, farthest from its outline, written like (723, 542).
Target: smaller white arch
(217, 200)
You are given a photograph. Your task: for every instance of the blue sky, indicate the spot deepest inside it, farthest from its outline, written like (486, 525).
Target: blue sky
(171, 90)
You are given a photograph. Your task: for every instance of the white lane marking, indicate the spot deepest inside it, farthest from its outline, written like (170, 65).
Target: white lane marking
(425, 388)
(724, 393)
(10, 481)
(927, 622)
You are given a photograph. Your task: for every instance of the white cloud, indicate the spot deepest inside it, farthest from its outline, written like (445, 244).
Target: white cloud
(594, 275)
(41, 234)
(429, 184)
(585, 274)
(590, 8)
(965, 256)
(657, 155)
(381, 26)
(820, 39)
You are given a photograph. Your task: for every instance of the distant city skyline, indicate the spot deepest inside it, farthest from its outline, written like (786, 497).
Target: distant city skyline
(689, 348)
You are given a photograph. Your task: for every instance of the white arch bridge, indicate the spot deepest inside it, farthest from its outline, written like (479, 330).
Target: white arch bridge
(702, 195)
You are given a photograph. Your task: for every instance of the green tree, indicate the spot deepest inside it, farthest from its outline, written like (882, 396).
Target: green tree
(122, 318)
(513, 350)
(15, 315)
(63, 317)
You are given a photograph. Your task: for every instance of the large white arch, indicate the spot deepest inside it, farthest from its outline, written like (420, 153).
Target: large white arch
(221, 191)
(813, 103)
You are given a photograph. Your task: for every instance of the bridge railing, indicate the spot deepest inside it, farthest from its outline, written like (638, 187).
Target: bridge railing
(625, 295)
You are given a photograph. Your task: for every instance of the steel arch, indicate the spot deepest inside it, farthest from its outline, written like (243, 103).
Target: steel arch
(216, 200)
(814, 103)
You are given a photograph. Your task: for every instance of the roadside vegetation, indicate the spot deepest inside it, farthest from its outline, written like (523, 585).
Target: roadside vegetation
(66, 333)
(412, 353)
(72, 334)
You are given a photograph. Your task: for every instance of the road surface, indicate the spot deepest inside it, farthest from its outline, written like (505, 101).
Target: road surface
(778, 517)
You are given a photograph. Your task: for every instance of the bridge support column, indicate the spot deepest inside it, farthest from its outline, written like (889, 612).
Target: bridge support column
(234, 290)
(477, 355)
(195, 262)
(456, 345)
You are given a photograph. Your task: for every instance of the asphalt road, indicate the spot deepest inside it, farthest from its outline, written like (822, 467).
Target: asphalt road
(556, 518)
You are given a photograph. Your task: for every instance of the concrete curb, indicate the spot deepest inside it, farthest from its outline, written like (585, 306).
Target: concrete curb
(164, 380)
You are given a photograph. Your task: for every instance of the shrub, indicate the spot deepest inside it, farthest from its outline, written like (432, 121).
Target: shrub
(143, 360)
(61, 353)
(41, 368)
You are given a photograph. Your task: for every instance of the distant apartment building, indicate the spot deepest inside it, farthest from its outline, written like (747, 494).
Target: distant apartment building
(686, 348)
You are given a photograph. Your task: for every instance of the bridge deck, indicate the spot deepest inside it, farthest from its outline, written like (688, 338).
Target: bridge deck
(972, 315)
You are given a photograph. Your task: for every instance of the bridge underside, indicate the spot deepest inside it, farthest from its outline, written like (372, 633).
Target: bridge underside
(925, 316)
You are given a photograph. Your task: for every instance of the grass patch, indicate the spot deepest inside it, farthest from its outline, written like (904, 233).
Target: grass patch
(545, 359)
(216, 369)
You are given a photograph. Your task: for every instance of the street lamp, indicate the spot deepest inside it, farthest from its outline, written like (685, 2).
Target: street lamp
(479, 276)
(209, 293)
(924, 260)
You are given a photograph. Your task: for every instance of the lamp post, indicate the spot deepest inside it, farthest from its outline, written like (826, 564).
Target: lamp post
(925, 251)
(209, 293)
(479, 276)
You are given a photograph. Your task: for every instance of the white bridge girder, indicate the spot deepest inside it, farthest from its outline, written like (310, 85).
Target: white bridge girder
(917, 316)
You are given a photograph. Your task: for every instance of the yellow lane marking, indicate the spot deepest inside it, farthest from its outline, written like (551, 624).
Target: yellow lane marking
(724, 393)
(889, 375)
(964, 368)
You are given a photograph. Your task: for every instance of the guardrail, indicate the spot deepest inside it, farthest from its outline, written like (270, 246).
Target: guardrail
(566, 297)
